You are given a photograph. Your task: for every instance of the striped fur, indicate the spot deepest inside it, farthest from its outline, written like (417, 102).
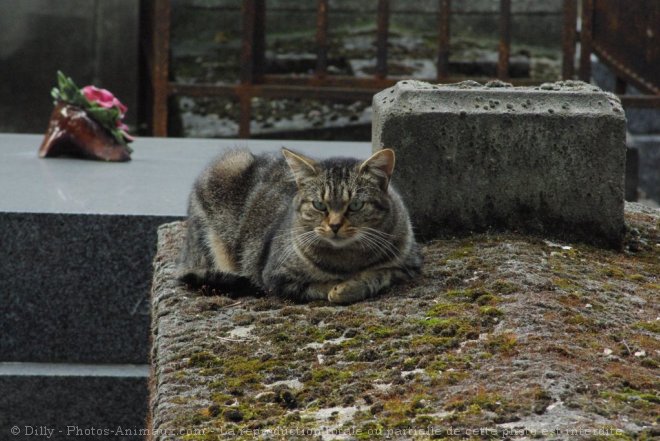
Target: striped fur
(304, 229)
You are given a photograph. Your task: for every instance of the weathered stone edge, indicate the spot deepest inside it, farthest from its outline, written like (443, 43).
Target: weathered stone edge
(562, 98)
(164, 289)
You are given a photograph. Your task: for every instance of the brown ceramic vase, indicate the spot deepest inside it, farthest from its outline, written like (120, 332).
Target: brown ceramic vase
(72, 132)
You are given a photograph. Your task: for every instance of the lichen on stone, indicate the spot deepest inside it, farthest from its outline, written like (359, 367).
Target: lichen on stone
(502, 332)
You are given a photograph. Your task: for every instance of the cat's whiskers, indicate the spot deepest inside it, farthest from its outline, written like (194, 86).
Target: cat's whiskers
(287, 232)
(311, 242)
(302, 244)
(341, 242)
(376, 231)
(397, 252)
(291, 246)
(364, 237)
(284, 256)
(384, 244)
(377, 246)
(388, 248)
(287, 250)
(306, 240)
(309, 238)
(362, 240)
(382, 240)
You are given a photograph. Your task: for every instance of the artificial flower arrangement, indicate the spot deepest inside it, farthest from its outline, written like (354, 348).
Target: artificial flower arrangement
(86, 122)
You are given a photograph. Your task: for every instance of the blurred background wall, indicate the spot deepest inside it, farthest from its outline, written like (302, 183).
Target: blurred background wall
(93, 41)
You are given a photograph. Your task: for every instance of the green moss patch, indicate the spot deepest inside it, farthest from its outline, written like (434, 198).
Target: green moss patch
(498, 329)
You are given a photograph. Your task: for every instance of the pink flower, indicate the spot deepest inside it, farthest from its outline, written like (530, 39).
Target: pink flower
(123, 128)
(103, 98)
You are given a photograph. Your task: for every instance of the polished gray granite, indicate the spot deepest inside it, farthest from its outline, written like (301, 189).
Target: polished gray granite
(77, 240)
(155, 183)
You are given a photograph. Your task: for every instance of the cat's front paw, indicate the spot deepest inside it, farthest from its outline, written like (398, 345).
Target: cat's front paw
(319, 291)
(348, 292)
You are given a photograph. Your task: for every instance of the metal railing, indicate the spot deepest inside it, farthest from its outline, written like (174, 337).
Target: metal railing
(255, 82)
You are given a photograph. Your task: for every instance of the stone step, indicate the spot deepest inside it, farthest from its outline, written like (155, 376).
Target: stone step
(73, 401)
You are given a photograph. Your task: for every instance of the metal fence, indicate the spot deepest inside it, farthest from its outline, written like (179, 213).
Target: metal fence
(596, 15)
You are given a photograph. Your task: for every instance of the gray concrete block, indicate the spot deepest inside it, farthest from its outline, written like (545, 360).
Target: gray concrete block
(547, 160)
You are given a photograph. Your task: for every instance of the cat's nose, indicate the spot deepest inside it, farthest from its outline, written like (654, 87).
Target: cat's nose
(335, 227)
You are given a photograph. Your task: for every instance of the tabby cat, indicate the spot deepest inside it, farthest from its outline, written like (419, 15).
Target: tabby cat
(299, 228)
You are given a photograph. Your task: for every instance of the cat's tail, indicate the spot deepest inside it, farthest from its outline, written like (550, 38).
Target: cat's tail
(195, 269)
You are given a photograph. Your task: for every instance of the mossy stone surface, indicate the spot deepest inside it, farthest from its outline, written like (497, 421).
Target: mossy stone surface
(503, 336)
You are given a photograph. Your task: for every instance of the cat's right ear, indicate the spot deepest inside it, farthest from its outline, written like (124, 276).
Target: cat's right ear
(303, 168)
(380, 165)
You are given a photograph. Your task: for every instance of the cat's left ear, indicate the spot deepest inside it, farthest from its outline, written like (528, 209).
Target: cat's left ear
(303, 168)
(381, 166)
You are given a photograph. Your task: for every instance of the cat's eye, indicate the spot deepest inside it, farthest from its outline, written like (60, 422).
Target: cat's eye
(319, 205)
(356, 205)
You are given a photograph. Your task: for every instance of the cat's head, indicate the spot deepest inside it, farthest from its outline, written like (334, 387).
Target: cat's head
(342, 200)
